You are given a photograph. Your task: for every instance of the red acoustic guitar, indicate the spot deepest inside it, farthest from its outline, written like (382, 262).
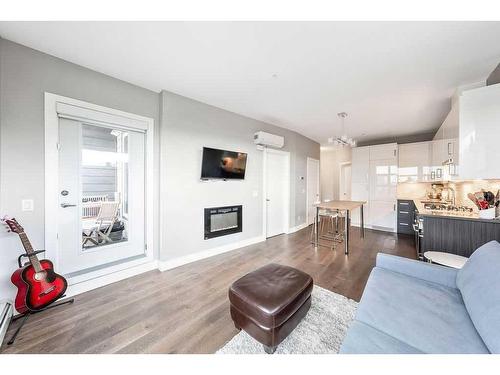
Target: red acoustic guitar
(37, 283)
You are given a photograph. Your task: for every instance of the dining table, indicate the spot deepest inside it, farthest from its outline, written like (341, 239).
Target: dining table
(345, 206)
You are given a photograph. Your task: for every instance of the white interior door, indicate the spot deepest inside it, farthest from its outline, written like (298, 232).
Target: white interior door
(101, 196)
(277, 175)
(312, 188)
(345, 182)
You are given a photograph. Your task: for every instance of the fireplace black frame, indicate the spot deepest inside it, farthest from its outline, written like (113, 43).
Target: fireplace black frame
(221, 210)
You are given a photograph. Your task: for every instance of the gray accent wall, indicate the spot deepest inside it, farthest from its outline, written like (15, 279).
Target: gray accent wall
(186, 127)
(25, 75)
(182, 127)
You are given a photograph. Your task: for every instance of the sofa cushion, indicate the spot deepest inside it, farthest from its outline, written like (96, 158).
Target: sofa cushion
(363, 339)
(479, 283)
(427, 316)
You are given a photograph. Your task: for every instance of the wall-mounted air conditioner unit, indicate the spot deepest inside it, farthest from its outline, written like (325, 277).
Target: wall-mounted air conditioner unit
(267, 139)
(6, 312)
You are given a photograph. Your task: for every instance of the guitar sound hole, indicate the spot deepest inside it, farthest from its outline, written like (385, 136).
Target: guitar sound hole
(40, 276)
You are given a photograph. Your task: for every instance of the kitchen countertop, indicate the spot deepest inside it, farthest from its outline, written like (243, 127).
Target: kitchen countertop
(474, 215)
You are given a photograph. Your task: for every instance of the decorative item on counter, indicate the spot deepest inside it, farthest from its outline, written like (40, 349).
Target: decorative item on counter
(497, 204)
(487, 203)
(436, 192)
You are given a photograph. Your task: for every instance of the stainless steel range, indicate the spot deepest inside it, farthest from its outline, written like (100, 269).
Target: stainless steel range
(446, 207)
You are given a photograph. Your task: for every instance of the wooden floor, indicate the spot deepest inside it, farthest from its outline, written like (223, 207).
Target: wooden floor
(186, 310)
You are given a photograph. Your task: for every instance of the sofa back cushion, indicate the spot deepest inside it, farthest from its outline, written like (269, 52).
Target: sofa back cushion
(479, 283)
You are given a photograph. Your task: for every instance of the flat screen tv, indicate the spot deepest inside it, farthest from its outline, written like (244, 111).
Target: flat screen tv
(223, 164)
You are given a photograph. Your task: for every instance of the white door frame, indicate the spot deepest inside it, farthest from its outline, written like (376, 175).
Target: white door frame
(307, 185)
(57, 105)
(264, 189)
(343, 164)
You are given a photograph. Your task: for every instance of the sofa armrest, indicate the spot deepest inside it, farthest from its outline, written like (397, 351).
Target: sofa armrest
(425, 271)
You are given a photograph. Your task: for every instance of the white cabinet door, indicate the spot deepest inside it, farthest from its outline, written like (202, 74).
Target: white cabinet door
(480, 133)
(414, 162)
(360, 192)
(360, 165)
(383, 183)
(383, 215)
(383, 152)
(438, 156)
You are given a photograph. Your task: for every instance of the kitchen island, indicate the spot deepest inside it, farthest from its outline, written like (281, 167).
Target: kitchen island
(455, 232)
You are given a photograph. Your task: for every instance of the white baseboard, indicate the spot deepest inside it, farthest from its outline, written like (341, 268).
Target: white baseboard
(97, 282)
(297, 228)
(177, 262)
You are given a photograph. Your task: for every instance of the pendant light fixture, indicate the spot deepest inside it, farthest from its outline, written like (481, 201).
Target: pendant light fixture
(343, 139)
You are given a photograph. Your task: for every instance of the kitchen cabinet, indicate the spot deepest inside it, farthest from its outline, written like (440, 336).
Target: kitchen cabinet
(438, 156)
(406, 216)
(383, 184)
(384, 152)
(414, 162)
(375, 177)
(360, 192)
(479, 127)
(444, 149)
(360, 165)
(458, 236)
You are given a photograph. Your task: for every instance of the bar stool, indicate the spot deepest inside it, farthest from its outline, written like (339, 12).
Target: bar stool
(330, 220)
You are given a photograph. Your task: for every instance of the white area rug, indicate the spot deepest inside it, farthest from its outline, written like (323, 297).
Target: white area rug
(320, 332)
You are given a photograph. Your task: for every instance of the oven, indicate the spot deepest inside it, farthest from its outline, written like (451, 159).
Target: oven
(418, 228)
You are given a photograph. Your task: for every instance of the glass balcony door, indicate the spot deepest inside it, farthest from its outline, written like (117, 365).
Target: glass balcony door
(101, 195)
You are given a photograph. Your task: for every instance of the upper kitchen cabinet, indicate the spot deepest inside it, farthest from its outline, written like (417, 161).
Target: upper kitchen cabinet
(415, 162)
(444, 148)
(384, 152)
(480, 133)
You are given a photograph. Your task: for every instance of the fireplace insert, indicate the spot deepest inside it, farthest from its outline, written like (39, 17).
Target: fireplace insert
(221, 221)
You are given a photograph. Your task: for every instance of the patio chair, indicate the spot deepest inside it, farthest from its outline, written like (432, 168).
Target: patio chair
(98, 232)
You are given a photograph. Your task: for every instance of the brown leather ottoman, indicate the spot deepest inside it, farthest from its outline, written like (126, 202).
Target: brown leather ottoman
(269, 303)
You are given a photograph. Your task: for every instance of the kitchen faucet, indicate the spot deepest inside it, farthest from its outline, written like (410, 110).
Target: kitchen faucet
(453, 199)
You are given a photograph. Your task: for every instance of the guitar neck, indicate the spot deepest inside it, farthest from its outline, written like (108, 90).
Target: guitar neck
(30, 252)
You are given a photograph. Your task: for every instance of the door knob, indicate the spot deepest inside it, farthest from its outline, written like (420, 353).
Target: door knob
(66, 205)
(268, 200)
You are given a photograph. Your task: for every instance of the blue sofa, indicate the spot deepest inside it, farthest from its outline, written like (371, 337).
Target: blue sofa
(410, 306)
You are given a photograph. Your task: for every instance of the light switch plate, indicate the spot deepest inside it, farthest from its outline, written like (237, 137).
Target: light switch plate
(255, 193)
(27, 205)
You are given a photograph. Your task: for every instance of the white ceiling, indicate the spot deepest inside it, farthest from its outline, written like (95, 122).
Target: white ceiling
(393, 79)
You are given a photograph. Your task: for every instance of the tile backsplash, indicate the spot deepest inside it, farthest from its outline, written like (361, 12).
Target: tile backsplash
(462, 188)
(413, 190)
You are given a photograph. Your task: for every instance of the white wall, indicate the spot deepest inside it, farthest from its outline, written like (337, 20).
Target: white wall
(331, 158)
(186, 127)
(25, 74)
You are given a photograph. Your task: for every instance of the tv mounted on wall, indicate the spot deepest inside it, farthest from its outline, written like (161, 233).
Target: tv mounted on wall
(223, 164)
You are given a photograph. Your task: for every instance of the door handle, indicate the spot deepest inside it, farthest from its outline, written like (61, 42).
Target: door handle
(268, 200)
(66, 205)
